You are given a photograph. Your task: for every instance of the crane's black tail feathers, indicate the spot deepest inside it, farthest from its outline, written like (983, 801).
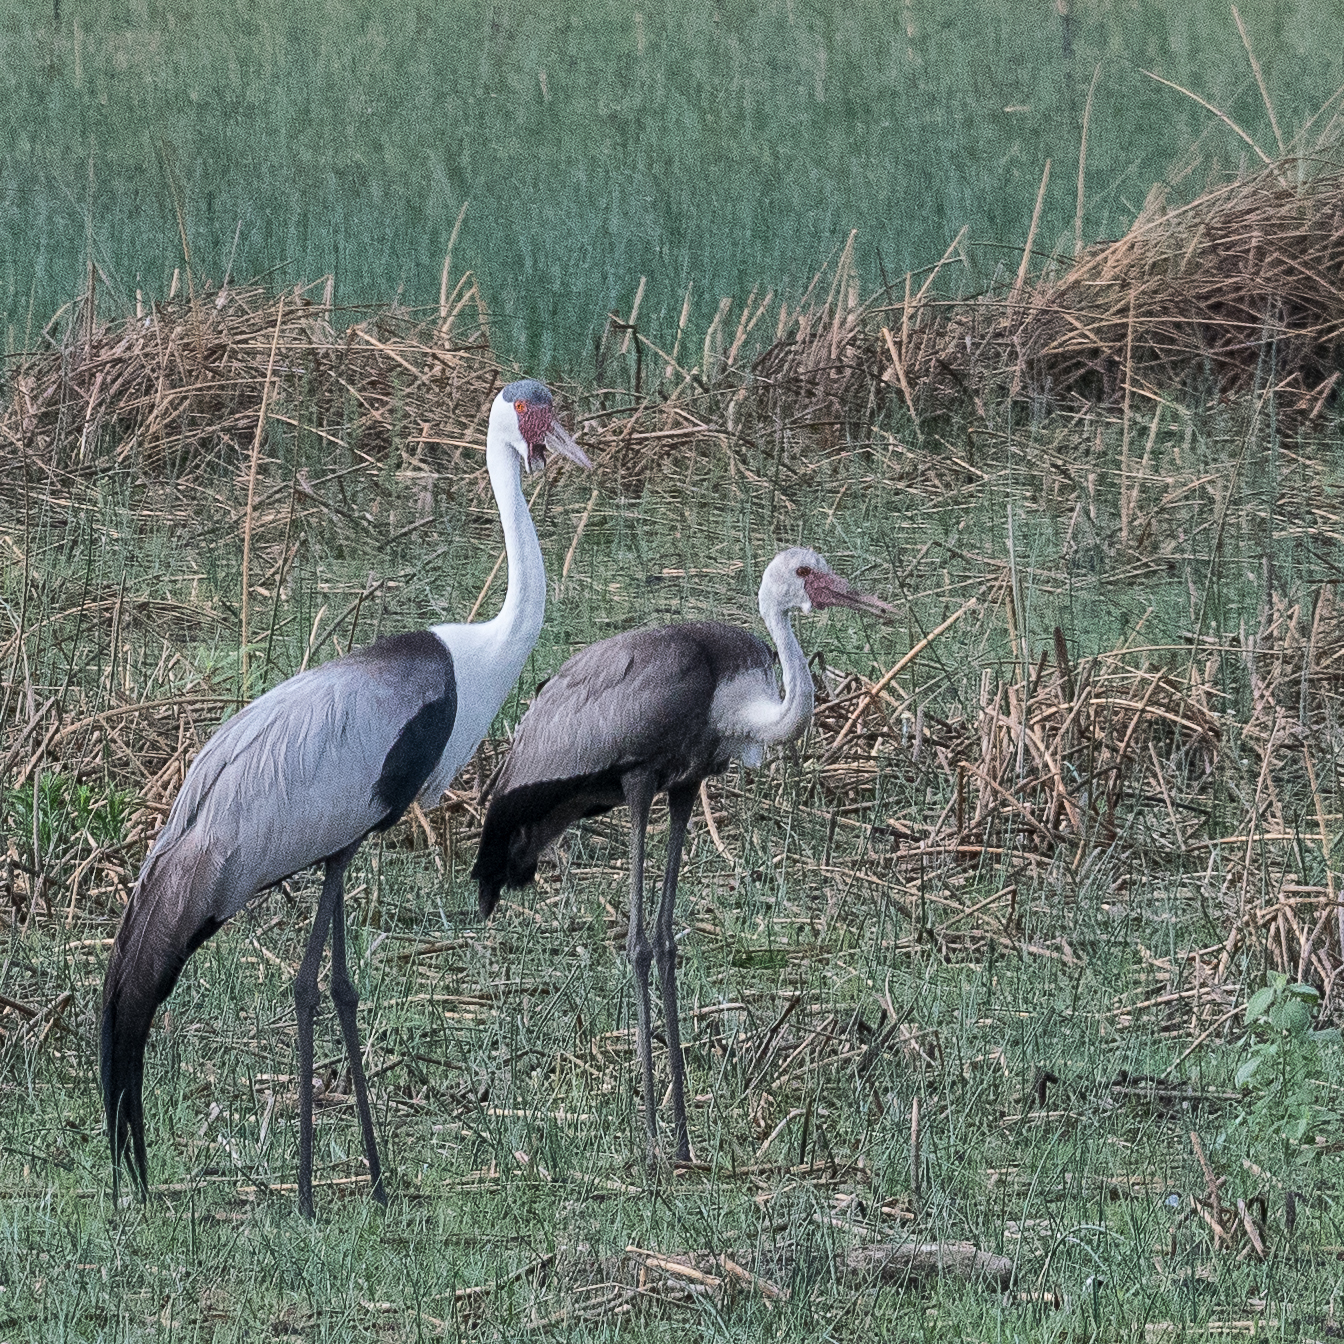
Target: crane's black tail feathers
(122, 1070)
(146, 960)
(521, 822)
(502, 859)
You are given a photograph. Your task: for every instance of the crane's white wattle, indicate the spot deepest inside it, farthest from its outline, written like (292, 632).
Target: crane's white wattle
(504, 430)
(488, 657)
(747, 710)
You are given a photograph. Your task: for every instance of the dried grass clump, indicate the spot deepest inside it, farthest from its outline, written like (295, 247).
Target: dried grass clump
(164, 389)
(767, 372)
(1289, 788)
(1109, 766)
(1241, 288)
(1059, 759)
(140, 748)
(822, 366)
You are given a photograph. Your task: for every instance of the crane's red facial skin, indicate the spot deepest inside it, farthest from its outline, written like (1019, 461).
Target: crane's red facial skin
(830, 590)
(534, 422)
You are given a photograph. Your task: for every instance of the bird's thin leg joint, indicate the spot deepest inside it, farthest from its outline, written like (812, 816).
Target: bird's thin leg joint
(638, 790)
(679, 802)
(305, 1003)
(346, 998)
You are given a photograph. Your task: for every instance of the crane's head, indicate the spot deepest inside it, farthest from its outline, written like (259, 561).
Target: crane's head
(799, 579)
(522, 416)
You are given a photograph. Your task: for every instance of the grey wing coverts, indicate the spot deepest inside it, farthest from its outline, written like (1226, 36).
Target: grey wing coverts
(641, 699)
(302, 772)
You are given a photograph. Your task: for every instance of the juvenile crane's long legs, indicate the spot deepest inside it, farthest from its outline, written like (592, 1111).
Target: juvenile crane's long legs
(305, 1002)
(680, 801)
(638, 789)
(346, 998)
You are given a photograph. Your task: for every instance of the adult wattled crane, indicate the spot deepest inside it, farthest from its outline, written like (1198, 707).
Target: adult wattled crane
(649, 712)
(302, 775)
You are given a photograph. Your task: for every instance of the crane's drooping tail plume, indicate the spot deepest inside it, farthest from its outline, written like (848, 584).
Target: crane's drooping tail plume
(529, 818)
(147, 959)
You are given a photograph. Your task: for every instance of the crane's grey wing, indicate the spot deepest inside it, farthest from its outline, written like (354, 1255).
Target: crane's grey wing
(642, 698)
(638, 700)
(301, 773)
(318, 761)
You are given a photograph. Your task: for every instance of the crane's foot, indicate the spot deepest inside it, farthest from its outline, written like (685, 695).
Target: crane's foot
(658, 1163)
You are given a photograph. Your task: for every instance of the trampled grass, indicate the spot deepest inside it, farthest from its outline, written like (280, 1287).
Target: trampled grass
(1056, 1041)
(709, 149)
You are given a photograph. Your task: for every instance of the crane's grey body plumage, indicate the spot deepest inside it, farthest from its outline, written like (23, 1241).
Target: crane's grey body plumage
(643, 700)
(319, 761)
(300, 775)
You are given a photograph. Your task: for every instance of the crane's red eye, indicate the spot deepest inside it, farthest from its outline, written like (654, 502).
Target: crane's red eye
(803, 571)
(521, 408)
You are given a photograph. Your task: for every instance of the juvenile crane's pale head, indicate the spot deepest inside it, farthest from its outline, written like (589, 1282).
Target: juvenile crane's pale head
(523, 417)
(799, 579)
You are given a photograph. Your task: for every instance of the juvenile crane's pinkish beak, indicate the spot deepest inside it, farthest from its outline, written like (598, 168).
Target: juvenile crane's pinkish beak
(558, 440)
(830, 590)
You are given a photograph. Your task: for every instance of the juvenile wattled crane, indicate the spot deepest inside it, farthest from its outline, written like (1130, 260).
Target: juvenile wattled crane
(649, 712)
(301, 776)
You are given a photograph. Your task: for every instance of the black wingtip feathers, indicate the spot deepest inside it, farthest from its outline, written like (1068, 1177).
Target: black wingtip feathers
(122, 1076)
(488, 894)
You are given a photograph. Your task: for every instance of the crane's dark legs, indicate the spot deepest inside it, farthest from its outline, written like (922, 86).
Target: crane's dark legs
(638, 790)
(346, 998)
(305, 1001)
(679, 805)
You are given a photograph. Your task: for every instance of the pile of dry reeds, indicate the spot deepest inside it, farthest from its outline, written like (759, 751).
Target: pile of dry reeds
(1064, 761)
(1241, 288)
(1060, 757)
(193, 378)
(199, 375)
(765, 371)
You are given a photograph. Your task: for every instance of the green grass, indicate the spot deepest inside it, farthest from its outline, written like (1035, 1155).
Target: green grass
(505, 1037)
(707, 147)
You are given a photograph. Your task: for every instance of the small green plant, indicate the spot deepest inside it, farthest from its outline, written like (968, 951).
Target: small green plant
(1283, 1065)
(68, 813)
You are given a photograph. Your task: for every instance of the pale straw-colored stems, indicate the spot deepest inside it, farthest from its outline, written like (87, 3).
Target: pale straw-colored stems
(251, 494)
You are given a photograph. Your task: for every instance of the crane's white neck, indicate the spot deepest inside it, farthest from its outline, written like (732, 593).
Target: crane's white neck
(514, 631)
(795, 709)
(488, 657)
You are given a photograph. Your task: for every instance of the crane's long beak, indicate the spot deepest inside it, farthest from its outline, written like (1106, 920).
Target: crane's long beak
(830, 590)
(559, 440)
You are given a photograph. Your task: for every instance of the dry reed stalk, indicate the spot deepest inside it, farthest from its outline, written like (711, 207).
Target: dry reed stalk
(870, 695)
(1031, 237)
(251, 499)
(578, 534)
(1082, 163)
(1260, 80)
